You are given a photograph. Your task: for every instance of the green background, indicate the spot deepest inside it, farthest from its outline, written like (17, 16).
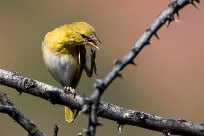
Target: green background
(168, 81)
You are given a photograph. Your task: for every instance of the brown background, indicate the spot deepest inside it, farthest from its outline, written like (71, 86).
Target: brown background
(168, 81)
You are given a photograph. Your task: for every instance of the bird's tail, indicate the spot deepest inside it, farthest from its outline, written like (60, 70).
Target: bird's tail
(69, 114)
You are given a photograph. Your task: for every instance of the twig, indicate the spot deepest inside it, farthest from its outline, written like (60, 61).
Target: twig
(165, 16)
(109, 111)
(8, 108)
(56, 128)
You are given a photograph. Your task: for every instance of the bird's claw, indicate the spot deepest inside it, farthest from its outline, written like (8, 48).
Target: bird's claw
(69, 90)
(93, 57)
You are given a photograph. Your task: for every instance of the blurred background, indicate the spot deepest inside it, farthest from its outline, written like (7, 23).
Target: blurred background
(168, 81)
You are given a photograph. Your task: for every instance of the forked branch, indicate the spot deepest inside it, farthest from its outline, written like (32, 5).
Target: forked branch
(167, 16)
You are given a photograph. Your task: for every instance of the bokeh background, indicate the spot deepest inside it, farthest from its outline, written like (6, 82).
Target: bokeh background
(168, 81)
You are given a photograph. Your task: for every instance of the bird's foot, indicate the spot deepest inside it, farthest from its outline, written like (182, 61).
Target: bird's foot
(69, 90)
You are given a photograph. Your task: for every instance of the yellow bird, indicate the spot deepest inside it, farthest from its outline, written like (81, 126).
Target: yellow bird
(64, 54)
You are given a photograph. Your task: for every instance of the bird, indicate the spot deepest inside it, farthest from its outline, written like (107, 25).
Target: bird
(64, 54)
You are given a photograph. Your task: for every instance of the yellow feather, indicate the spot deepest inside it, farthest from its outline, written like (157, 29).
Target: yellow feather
(69, 114)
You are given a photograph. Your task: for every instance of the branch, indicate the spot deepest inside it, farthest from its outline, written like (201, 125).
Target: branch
(101, 85)
(8, 108)
(109, 111)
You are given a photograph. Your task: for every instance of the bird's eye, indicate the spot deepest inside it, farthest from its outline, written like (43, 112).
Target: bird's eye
(84, 36)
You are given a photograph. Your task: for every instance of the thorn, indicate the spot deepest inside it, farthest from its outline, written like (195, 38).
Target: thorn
(148, 29)
(120, 74)
(168, 23)
(148, 43)
(56, 128)
(120, 128)
(156, 35)
(20, 92)
(192, 2)
(117, 61)
(77, 112)
(170, 19)
(177, 14)
(133, 63)
(194, 5)
(167, 132)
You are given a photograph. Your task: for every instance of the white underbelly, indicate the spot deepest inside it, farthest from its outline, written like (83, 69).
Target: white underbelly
(63, 68)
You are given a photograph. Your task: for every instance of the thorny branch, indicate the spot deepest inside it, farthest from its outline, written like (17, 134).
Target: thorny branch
(91, 106)
(109, 111)
(8, 108)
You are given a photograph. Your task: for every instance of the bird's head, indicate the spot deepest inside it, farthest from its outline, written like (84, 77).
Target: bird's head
(70, 35)
(86, 33)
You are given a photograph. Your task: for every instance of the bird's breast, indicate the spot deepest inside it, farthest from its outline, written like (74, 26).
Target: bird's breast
(63, 67)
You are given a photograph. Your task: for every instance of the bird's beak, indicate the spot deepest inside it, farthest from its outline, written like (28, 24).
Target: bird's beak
(94, 41)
